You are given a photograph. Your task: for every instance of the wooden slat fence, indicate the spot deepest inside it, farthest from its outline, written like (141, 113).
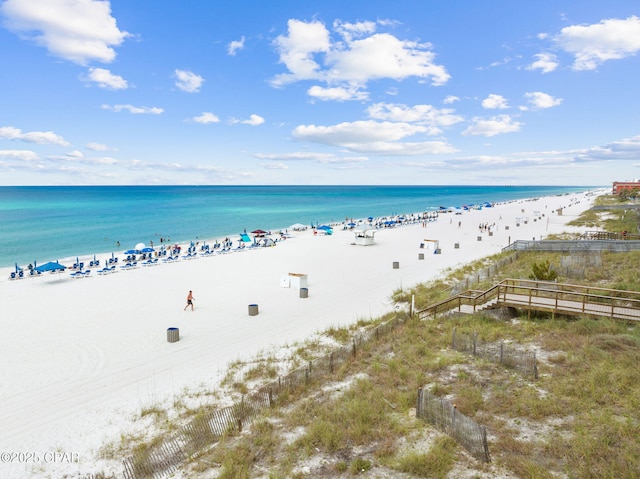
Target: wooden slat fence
(444, 416)
(203, 431)
(504, 353)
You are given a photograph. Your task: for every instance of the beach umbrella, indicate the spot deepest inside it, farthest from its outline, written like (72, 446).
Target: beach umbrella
(147, 250)
(132, 251)
(139, 246)
(324, 227)
(259, 232)
(50, 266)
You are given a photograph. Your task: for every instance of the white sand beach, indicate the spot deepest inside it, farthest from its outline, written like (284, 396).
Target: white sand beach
(80, 357)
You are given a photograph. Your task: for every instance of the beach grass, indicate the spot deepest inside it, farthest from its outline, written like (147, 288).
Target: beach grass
(577, 420)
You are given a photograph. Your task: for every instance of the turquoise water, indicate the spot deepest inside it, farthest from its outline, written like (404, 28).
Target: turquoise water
(46, 223)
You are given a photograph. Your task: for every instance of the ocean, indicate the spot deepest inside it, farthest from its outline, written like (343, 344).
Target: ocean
(41, 223)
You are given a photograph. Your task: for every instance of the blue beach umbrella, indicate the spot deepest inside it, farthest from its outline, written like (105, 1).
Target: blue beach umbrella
(50, 266)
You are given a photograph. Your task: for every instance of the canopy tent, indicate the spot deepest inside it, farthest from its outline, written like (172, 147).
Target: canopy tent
(364, 236)
(245, 238)
(259, 233)
(50, 266)
(430, 242)
(298, 227)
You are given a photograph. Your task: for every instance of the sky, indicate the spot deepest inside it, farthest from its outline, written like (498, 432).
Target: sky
(499, 92)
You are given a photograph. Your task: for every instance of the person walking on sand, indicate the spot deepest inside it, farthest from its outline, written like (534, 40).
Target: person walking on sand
(190, 300)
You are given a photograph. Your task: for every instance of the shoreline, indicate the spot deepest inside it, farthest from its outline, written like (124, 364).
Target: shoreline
(106, 233)
(82, 358)
(103, 256)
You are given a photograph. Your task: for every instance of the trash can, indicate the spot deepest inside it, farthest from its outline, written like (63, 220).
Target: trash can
(456, 245)
(420, 255)
(396, 264)
(173, 335)
(479, 238)
(253, 310)
(304, 292)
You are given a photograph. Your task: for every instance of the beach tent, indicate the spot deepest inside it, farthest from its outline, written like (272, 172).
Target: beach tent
(268, 242)
(50, 266)
(298, 227)
(259, 233)
(245, 237)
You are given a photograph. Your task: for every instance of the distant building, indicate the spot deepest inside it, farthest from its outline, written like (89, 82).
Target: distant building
(618, 186)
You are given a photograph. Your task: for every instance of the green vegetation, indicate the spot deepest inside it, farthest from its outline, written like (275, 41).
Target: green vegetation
(543, 272)
(578, 420)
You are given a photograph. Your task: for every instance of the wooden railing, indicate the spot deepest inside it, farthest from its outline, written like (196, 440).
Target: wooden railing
(544, 296)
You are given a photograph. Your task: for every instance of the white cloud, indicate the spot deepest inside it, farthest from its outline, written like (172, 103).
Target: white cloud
(297, 50)
(383, 56)
(135, 110)
(541, 100)
(372, 137)
(188, 81)
(545, 62)
(325, 158)
(22, 155)
(350, 30)
(309, 53)
(275, 166)
(492, 126)
(591, 45)
(105, 79)
(337, 93)
(254, 120)
(206, 118)
(39, 137)
(234, 46)
(425, 115)
(495, 102)
(97, 146)
(80, 31)
(627, 149)
(450, 99)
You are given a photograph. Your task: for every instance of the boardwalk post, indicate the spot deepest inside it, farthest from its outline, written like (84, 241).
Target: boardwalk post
(475, 340)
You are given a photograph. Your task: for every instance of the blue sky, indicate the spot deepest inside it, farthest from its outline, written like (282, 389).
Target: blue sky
(331, 92)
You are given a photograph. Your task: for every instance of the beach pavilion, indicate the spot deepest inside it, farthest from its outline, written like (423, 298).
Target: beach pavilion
(364, 236)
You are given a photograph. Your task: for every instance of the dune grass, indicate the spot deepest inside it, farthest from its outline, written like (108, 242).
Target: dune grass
(578, 420)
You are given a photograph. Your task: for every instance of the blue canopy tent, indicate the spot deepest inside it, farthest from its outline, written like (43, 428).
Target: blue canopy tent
(245, 238)
(328, 230)
(50, 266)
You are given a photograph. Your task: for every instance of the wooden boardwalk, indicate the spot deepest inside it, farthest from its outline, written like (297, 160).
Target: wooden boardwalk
(556, 298)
